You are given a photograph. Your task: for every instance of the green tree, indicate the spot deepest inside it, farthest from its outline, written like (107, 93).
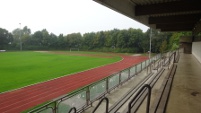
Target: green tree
(52, 42)
(16, 38)
(74, 40)
(135, 37)
(61, 42)
(144, 43)
(120, 40)
(21, 36)
(108, 40)
(26, 31)
(25, 36)
(45, 38)
(174, 40)
(37, 39)
(163, 46)
(88, 40)
(5, 38)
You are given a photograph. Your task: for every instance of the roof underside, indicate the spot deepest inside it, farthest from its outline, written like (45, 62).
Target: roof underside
(164, 15)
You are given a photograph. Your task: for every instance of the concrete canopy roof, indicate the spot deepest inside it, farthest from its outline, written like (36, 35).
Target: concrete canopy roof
(164, 15)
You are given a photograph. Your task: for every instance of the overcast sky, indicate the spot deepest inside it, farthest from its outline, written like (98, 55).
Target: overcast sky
(62, 16)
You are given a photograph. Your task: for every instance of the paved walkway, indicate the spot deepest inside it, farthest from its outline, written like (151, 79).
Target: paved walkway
(185, 96)
(28, 97)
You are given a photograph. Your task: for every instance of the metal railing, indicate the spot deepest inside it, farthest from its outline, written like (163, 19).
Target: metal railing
(84, 97)
(173, 58)
(73, 109)
(130, 105)
(106, 105)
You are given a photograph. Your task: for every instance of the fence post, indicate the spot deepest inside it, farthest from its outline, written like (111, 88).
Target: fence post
(88, 96)
(107, 84)
(169, 62)
(163, 60)
(160, 63)
(145, 63)
(150, 67)
(174, 57)
(147, 69)
(55, 107)
(178, 53)
(129, 72)
(119, 78)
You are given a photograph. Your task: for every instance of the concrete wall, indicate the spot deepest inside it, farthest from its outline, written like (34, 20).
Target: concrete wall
(196, 50)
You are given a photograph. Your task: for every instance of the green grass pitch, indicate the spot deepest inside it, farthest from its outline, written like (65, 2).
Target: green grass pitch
(19, 69)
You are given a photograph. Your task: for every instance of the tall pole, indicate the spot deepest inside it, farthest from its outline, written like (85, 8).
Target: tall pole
(20, 38)
(150, 43)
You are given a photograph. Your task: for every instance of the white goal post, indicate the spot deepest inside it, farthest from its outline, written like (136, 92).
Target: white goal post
(74, 49)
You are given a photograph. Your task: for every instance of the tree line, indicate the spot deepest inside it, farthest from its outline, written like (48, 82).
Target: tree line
(126, 40)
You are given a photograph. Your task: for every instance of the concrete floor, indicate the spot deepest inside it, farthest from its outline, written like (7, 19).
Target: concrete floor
(185, 96)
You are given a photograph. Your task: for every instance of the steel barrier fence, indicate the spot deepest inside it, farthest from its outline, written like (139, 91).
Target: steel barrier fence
(85, 96)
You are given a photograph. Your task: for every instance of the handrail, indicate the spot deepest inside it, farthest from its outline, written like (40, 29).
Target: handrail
(139, 92)
(73, 109)
(107, 105)
(173, 55)
(118, 104)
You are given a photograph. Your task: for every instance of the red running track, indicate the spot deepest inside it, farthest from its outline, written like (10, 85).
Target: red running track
(22, 99)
